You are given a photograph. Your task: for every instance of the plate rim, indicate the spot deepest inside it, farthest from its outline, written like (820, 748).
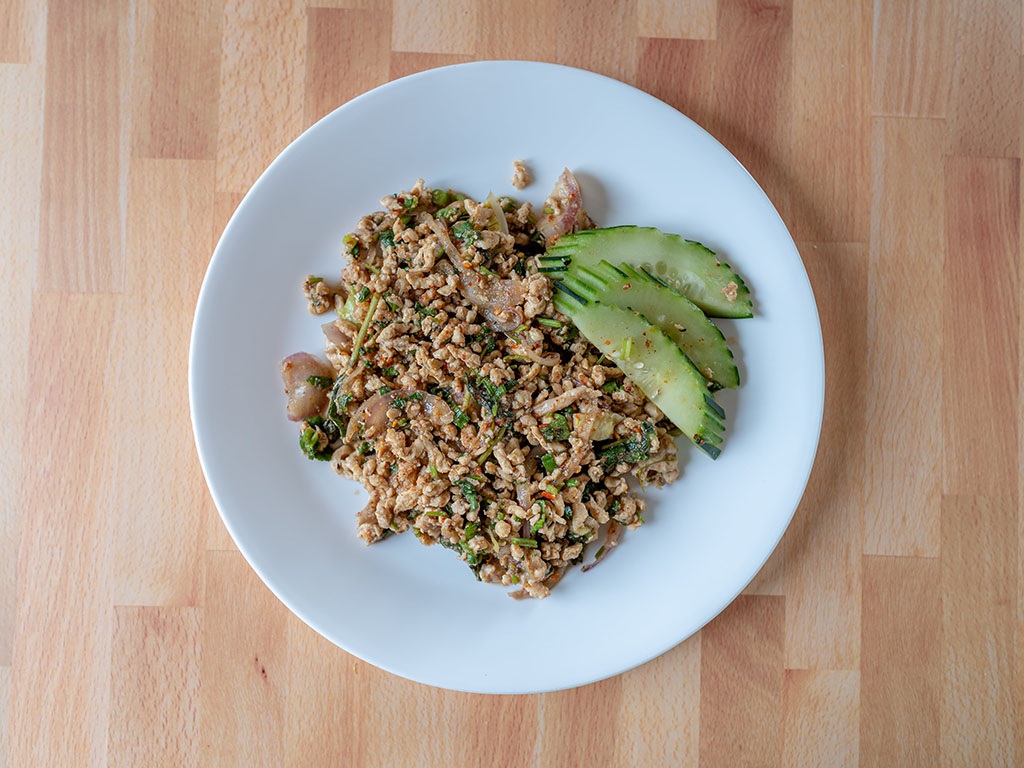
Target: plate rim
(203, 301)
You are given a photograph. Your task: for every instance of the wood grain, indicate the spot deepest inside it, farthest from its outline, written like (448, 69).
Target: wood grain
(979, 591)
(886, 630)
(911, 57)
(174, 88)
(155, 687)
(820, 726)
(81, 234)
(982, 267)
(905, 295)
(244, 673)
(900, 676)
(741, 660)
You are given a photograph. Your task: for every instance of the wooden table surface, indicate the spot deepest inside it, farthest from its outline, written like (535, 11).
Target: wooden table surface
(887, 629)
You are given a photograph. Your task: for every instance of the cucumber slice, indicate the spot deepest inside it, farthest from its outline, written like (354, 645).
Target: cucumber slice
(689, 267)
(680, 319)
(653, 362)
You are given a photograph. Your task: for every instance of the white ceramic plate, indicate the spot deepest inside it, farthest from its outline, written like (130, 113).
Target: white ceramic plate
(416, 611)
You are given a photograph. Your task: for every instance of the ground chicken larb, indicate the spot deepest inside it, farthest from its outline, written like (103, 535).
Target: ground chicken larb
(471, 411)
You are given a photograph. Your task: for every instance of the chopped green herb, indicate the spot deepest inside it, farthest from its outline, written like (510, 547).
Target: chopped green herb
(629, 450)
(393, 468)
(471, 530)
(572, 483)
(438, 513)
(439, 197)
(384, 390)
(486, 340)
(450, 212)
(464, 234)
(391, 372)
(549, 462)
(411, 202)
(365, 449)
(424, 310)
(353, 244)
(532, 543)
(433, 471)
(315, 280)
(541, 522)
(323, 382)
(338, 404)
(489, 272)
(469, 494)
(316, 438)
(550, 322)
(387, 238)
(558, 429)
(373, 269)
(392, 306)
(611, 386)
(487, 395)
(363, 295)
(548, 210)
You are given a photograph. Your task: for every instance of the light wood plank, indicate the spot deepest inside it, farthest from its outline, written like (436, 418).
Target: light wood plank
(347, 53)
(982, 269)
(262, 85)
(822, 548)
(5, 703)
(175, 79)
(325, 686)
(155, 687)
(682, 74)
(13, 48)
(518, 29)
(607, 39)
(912, 57)
(443, 26)
(979, 591)
(21, 93)
(901, 662)
(741, 661)
(820, 718)
(402, 64)
(831, 127)
(984, 116)
(60, 683)
(85, 172)
(696, 20)
(905, 311)
(664, 695)
(752, 107)
(244, 668)
(157, 556)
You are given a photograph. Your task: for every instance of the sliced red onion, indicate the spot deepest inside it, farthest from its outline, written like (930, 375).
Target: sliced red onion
(610, 542)
(492, 296)
(569, 199)
(335, 334)
(373, 412)
(305, 400)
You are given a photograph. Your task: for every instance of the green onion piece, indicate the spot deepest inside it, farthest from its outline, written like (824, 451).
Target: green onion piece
(362, 330)
(549, 462)
(627, 347)
(478, 478)
(521, 328)
(471, 530)
(550, 322)
(373, 269)
(540, 523)
(440, 513)
(532, 543)
(363, 295)
(599, 553)
(611, 386)
(391, 305)
(315, 280)
(486, 271)
(410, 202)
(572, 483)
